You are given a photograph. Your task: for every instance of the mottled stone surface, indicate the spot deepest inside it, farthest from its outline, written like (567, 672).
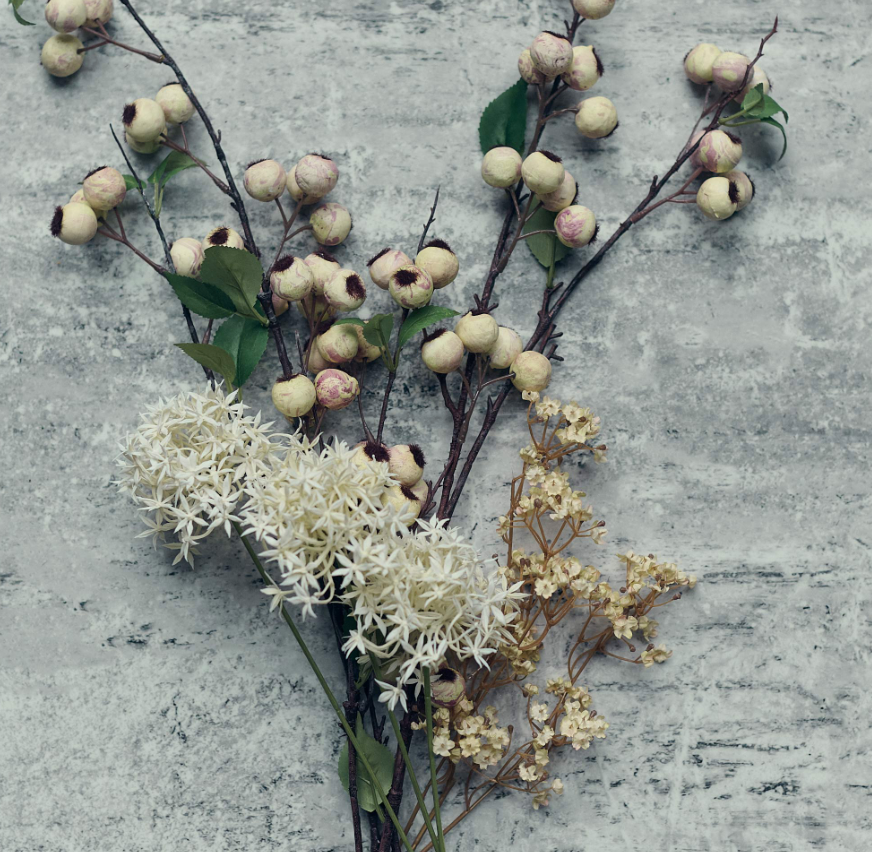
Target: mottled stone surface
(145, 707)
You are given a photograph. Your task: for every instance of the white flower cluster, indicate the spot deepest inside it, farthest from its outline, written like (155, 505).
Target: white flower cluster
(187, 463)
(418, 595)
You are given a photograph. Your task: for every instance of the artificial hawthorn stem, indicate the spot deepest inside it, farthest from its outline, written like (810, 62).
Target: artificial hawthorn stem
(395, 794)
(434, 784)
(184, 149)
(351, 706)
(106, 39)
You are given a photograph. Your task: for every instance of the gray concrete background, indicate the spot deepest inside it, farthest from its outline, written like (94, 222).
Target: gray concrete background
(149, 708)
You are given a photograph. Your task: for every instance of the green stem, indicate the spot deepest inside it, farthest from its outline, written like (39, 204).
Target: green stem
(739, 123)
(434, 786)
(361, 756)
(425, 811)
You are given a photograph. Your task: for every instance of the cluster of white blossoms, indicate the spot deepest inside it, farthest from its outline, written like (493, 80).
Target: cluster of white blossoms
(419, 595)
(187, 463)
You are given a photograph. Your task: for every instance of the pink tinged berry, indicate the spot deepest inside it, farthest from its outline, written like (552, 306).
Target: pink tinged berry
(551, 54)
(575, 226)
(293, 397)
(335, 389)
(447, 686)
(383, 265)
(442, 351)
(144, 120)
(745, 188)
(368, 453)
(439, 262)
(294, 189)
(562, 197)
(699, 63)
(330, 223)
(264, 180)
(728, 71)
(596, 118)
(593, 10)
(74, 224)
(501, 167)
(61, 57)
(316, 175)
(317, 362)
(104, 188)
(175, 103)
(542, 172)
(279, 304)
(718, 151)
(291, 278)
(323, 266)
(142, 147)
(99, 12)
(506, 349)
(223, 236)
(411, 287)
(528, 71)
(345, 291)
(406, 463)
(718, 198)
(65, 16)
(404, 501)
(585, 70)
(421, 491)
(187, 256)
(531, 371)
(477, 332)
(337, 344)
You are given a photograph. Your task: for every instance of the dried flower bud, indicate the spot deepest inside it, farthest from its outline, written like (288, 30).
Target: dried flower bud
(728, 71)
(265, 180)
(279, 304)
(478, 332)
(551, 53)
(421, 490)
(316, 175)
(293, 397)
(501, 167)
(324, 266)
(385, 264)
(99, 12)
(542, 172)
(593, 10)
(294, 189)
(575, 226)
(61, 57)
(698, 63)
(338, 344)
(528, 71)
(439, 262)
(506, 349)
(142, 147)
(144, 120)
(406, 463)
(442, 351)
(330, 223)
(104, 188)
(562, 197)
(744, 187)
(718, 198)
(758, 77)
(447, 686)
(366, 351)
(291, 278)
(65, 16)
(403, 499)
(596, 118)
(74, 224)
(345, 291)
(585, 70)
(223, 236)
(369, 452)
(335, 389)
(317, 362)
(78, 197)
(718, 152)
(187, 256)
(531, 371)
(411, 287)
(175, 103)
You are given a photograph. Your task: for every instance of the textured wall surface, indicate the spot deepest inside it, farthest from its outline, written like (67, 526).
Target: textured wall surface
(145, 707)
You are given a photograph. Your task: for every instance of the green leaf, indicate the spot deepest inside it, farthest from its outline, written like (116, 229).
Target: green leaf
(131, 183)
(504, 120)
(169, 167)
(753, 97)
(380, 759)
(203, 299)
(213, 357)
(351, 321)
(16, 5)
(245, 340)
(378, 329)
(546, 248)
(237, 273)
(780, 126)
(767, 108)
(420, 319)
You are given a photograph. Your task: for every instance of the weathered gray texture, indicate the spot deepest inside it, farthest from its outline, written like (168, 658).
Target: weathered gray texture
(148, 708)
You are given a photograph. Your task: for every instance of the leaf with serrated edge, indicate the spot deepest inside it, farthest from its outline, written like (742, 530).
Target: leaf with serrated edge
(504, 120)
(544, 247)
(213, 357)
(420, 319)
(236, 272)
(203, 299)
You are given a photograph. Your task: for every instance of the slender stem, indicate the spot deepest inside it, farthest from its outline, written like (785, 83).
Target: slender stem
(105, 39)
(434, 785)
(107, 231)
(184, 149)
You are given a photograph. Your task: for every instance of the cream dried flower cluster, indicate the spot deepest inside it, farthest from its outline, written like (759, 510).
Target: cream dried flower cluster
(188, 462)
(418, 596)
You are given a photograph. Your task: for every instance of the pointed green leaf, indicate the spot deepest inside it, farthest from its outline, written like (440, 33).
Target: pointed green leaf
(16, 5)
(380, 759)
(546, 248)
(171, 165)
(203, 299)
(237, 273)
(780, 126)
(378, 329)
(421, 318)
(753, 97)
(131, 183)
(351, 321)
(766, 108)
(245, 340)
(213, 357)
(504, 120)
